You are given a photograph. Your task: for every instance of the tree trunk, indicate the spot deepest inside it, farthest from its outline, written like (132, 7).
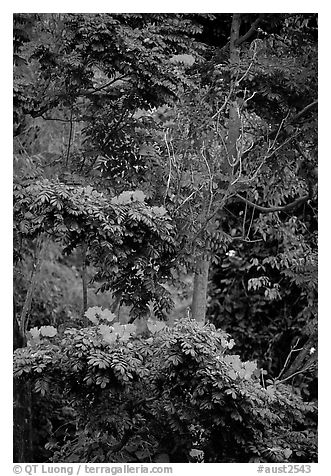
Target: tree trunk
(84, 280)
(200, 286)
(22, 418)
(24, 320)
(18, 340)
(234, 116)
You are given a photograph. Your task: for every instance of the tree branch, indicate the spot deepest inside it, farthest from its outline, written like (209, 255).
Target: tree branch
(303, 111)
(275, 131)
(250, 32)
(246, 36)
(283, 208)
(100, 88)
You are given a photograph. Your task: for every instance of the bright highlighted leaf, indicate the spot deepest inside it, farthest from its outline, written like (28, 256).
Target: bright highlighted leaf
(155, 326)
(48, 331)
(287, 453)
(160, 211)
(107, 315)
(110, 338)
(93, 314)
(186, 60)
(128, 197)
(34, 333)
(250, 368)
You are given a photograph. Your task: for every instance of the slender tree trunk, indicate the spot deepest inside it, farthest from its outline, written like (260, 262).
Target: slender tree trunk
(84, 278)
(200, 286)
(24, 320)
(17, 335)
(234, 116)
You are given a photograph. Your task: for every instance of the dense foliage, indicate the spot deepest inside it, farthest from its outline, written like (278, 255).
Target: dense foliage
(175, 391)
(165, 165)
(126, 240)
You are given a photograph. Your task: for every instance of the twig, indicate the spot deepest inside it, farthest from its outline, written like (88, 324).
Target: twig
(70, 137)
(189, 197)
(249, 66)
(296, 373)
(291, 121)
(250, 97)
(293, 349)
(250, 223)
(210, 180)
(224, 145)
(169, 175)
(244, 220)
(84, 279)
(278, 131)
(92, 91)
(239, 152)
(60, 119)
(224, 104)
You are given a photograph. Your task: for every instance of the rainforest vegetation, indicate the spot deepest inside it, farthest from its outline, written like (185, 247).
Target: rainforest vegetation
(165, 237)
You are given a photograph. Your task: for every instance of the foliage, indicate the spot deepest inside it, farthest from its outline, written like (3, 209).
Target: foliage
(143, 144)
(265, 292)
(175, 391)
(129, 242)
(99, 70)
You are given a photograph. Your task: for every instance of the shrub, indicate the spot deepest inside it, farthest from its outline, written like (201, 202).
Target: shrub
(179, 391)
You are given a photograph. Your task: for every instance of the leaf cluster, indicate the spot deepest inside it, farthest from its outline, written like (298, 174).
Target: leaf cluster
(130, 243)
(174, 391)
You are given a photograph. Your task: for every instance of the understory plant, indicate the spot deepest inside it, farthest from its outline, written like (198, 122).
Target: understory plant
(109, 393)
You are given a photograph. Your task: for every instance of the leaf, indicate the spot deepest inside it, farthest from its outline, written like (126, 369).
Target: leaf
(34, 332)
(48, 331)
(93, 313)
(89, 189)
(108, 315)
(155, 326)
(271, 390)
(186, 60)
(250, 368)
(232, 374)
(287, 453)
(160, 211)
(128, 197)
(110, 338)
(104, 329)
(230, 344)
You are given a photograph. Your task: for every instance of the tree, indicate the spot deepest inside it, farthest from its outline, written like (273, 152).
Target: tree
(225, 147)
(225, 150)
